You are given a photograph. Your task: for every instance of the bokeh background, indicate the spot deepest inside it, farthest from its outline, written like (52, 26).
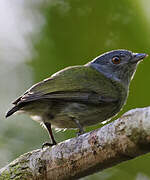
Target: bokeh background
(40, 37)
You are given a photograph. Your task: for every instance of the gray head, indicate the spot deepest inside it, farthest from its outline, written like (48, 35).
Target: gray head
(118, 65)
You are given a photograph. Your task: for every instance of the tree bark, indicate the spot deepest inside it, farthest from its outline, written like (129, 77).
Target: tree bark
(121, 140)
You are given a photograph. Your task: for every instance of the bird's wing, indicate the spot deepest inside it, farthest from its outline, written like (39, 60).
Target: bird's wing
(78, 83)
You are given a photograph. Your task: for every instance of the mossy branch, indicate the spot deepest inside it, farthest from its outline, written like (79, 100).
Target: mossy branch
(121, 140)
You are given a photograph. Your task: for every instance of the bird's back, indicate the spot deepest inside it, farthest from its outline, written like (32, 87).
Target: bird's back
(78, 86)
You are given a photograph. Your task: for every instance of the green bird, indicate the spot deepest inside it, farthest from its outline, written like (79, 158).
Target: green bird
(83, 95)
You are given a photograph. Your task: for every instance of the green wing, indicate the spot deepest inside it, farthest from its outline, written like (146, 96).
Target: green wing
(77, 83)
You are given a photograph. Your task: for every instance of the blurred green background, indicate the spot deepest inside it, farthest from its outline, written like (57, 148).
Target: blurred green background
(40, 37)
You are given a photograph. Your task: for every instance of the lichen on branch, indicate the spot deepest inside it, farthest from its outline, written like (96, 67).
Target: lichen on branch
(121, 140)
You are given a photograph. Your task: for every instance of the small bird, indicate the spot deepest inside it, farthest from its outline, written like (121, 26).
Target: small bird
(83, 95)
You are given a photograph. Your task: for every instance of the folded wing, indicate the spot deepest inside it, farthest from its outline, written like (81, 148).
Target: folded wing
(76, 84)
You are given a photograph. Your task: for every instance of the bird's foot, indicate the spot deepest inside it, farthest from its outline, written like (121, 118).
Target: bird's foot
(48, 144)
(80, 132)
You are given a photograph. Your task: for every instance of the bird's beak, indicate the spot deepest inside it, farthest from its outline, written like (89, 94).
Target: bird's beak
(138, 57)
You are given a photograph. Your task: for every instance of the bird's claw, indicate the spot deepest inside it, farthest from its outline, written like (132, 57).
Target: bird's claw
(48, 144)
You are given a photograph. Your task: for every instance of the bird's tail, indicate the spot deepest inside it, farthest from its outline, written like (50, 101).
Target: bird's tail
(12, 111)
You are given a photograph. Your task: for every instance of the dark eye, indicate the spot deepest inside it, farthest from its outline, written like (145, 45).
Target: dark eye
(116, 60)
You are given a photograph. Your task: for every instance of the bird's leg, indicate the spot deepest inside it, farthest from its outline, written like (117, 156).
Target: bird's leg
(81, 130)
(49, 129)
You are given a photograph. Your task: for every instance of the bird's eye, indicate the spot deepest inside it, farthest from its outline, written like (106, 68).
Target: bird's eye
(116, 60)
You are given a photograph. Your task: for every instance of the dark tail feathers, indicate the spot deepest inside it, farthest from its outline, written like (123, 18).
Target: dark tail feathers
(13, 110)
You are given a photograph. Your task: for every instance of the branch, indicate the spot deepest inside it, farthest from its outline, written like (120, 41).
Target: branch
(121, 140)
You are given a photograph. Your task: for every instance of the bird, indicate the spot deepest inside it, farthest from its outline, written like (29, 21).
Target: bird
(82, 95)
